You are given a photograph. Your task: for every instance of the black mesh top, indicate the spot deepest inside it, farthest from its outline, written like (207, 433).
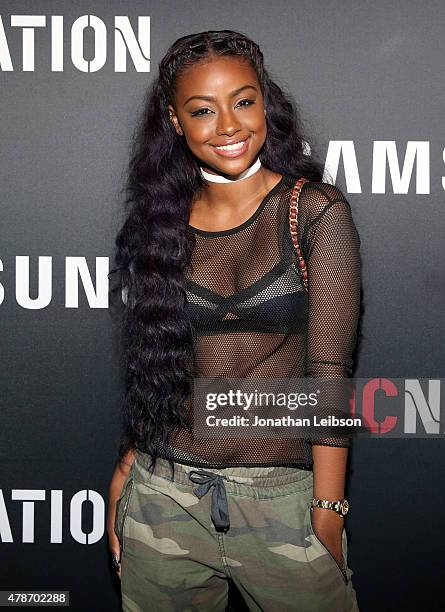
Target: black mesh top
(254, 317)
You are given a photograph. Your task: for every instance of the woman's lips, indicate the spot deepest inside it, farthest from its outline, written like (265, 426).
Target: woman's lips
(234, 150)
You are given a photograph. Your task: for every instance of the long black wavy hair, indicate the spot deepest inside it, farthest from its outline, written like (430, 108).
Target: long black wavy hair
(153, 246)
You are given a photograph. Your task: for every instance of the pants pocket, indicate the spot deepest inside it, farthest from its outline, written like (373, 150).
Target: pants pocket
(344, 545)
(122, 506)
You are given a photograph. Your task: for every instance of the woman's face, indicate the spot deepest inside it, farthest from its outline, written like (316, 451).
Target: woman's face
(218, 102)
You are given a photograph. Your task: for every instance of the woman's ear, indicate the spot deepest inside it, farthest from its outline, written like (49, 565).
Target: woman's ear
(174, 119)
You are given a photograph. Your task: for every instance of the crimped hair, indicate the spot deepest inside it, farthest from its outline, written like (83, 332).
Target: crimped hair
(153, 246)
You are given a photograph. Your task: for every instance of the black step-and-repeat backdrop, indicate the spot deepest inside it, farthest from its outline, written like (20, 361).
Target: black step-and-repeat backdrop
(368, 78)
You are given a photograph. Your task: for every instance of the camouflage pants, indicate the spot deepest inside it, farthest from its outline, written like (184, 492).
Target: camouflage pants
(182, 539)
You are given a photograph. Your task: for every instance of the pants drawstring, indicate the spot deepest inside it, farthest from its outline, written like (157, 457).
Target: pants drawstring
(220, 508)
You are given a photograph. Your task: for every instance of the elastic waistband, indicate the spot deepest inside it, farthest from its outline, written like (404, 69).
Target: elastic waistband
(241, 480)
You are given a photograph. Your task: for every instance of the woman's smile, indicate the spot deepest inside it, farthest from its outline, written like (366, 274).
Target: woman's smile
(233, 150)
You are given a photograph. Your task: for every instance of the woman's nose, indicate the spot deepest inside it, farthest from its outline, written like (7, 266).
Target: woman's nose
(227, 123)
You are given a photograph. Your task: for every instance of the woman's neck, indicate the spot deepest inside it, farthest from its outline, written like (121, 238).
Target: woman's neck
(221, 196)
(219, 178)
(222, 204)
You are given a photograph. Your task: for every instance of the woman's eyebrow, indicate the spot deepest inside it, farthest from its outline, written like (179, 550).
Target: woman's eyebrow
(231, 94)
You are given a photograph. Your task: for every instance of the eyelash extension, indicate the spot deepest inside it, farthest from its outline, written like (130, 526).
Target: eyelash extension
(198, 113)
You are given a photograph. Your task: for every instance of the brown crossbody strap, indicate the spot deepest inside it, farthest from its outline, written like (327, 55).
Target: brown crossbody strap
(293, 221)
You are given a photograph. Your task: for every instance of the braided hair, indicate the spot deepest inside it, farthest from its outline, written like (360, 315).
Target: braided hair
(153, 246)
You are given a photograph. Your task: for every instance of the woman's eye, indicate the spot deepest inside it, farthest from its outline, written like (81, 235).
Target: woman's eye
(200, 112)
(249, 102)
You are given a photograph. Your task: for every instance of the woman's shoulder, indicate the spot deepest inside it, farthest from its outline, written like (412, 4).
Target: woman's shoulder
(322, 191)
(317, 197)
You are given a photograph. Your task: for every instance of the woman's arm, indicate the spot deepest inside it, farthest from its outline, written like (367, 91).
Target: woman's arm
(115, 490)
(333, 265)
(329, 483)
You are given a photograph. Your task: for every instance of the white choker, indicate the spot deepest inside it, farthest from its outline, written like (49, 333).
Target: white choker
(217, 178)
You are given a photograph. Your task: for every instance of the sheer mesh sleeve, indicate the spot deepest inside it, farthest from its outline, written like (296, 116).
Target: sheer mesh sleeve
(332, 248)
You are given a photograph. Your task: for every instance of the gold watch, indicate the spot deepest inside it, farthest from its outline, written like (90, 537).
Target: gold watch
(340, 506)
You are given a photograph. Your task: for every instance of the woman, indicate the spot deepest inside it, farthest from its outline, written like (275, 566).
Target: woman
(230, 267)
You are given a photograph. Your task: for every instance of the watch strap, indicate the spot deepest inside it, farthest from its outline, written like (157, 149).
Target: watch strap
(340, 506)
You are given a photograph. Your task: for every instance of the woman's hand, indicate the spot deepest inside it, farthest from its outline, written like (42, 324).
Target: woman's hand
(113, 541)
(328, 527)
(115, 491)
